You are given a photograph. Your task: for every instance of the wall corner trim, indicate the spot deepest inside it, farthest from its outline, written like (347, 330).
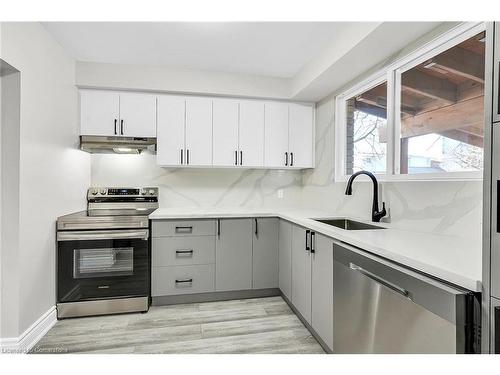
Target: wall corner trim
(28, 339)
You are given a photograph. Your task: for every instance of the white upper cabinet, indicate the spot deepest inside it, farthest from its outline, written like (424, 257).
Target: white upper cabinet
(198, 131)
(111, 113)
(276, 135)
(99, 112)
(300, 136)
(225, 132)
(251, 133)
(137, 115)
(171, 130)
(204, 131)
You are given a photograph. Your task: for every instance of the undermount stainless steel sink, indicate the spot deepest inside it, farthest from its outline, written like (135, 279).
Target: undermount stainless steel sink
(348, 224)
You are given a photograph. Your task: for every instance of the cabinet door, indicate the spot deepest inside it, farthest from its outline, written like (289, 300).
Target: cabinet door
(276, 135)
(322, 288)
(301, 136)
(233, 255)
(137, 115)
(495, 214)
(99, 112)
(251, 133)
(225, 133)
(301, 273)
(198, 131)
(285, 258)
(265, 253)
(170, 137)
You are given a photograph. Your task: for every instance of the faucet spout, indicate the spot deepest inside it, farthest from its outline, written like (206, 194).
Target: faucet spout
(376, 214)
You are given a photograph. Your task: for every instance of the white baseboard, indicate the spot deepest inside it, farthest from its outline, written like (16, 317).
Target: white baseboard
(29, 338)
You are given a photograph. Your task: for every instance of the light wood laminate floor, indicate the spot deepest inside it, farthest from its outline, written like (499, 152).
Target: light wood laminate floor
(259, 325)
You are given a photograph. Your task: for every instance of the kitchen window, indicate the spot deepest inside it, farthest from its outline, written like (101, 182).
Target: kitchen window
(422, 117)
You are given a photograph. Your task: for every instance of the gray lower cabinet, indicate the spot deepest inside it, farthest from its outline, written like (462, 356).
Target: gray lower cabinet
(301, 272)
(233, 254)
(182, 257)
(173, 280)
(285, 258)
(265, 253)
(322, 288)
(183, 251)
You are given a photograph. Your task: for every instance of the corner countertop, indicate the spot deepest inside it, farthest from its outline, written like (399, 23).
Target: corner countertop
(450, 258)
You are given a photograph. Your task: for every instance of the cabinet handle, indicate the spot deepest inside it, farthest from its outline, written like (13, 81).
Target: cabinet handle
(115, 125)
(218, 227)
(241, 157)
(313, 240)
(286, 159)
(182, 156)
(177, 281)
(256, 228)
(121, 126)
(186, 229)
(307, 240)
(291, 159)
(187, 156)
(236, 157)
(181, 252)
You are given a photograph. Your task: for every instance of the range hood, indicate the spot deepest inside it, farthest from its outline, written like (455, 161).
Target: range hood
(117, 145)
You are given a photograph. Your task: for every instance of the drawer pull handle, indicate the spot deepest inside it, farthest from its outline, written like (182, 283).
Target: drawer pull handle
(184, 229)
(183, 281)
(182, 252)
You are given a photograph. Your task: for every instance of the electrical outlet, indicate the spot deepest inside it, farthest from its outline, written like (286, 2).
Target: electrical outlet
(280, 193)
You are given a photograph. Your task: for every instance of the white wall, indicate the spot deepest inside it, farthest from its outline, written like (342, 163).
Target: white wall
(53, 173)
(9, 200)
(167, 79)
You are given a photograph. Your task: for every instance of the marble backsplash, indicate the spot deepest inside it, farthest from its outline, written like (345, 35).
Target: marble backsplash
(200, 187)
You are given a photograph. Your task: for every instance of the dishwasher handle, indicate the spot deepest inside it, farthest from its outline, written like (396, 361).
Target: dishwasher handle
(380, 280)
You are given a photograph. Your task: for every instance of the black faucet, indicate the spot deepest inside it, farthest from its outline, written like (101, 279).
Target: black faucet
(376, 214)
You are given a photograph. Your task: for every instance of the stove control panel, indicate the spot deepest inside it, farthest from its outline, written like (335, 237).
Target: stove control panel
(122, 192)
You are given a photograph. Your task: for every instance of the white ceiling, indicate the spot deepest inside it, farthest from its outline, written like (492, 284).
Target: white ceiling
(275, 49)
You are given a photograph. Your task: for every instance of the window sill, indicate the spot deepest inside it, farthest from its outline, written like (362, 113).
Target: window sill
(452, 176)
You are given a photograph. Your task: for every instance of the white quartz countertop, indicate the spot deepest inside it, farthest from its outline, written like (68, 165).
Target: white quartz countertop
(453, 259)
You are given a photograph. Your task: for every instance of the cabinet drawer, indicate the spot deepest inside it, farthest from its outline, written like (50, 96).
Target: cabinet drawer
(163, 228)
(174, 280)
(183, 250)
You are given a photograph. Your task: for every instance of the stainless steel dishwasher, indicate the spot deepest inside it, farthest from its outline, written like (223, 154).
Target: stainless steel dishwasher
(381, 307)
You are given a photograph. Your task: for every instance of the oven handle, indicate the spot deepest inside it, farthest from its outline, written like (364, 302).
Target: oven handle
(103, 235)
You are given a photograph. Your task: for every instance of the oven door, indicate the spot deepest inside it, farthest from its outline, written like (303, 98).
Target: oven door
(102, 264)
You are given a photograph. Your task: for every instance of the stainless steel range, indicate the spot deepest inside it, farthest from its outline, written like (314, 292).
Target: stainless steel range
(103, 253)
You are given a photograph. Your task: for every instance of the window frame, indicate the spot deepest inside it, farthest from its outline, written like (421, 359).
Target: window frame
(392, 74)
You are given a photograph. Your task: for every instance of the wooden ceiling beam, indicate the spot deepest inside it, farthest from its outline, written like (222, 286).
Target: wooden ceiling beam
(460, 62)
(461, 136)
(468, 113)
(433, 87)
(380, 101)
(371, 109)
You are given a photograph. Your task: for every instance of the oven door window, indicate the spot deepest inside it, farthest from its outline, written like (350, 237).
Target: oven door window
(103, 262)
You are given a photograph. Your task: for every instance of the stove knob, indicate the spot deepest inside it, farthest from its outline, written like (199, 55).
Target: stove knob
(103, 191)
(94, 191)
(143, 191)
(151, 192)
